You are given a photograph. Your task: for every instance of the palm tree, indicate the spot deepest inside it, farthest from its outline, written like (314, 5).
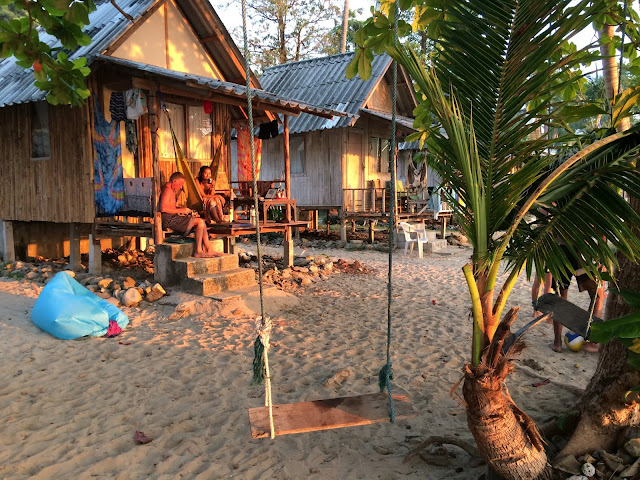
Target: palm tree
(495, 81)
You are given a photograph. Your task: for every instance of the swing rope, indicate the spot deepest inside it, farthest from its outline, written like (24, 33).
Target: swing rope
(386, 373)
(263, 323)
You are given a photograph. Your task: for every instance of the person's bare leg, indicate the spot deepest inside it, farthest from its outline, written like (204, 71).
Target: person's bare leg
(557, 327)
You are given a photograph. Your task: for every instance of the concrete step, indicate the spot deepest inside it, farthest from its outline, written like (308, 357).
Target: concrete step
(210, 283)
(436, 245)
(184, 250)
(238, 293)
(191, 266)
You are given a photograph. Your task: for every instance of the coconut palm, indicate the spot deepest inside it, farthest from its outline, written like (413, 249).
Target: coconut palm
(499, 77)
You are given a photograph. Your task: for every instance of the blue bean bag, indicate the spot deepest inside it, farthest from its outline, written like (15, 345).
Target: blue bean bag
(68, 310)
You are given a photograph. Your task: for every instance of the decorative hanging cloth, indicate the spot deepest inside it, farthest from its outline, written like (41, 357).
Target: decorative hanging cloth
(244, 154)
(107, 167)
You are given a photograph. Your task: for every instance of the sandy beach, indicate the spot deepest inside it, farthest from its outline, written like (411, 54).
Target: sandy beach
(181, 373)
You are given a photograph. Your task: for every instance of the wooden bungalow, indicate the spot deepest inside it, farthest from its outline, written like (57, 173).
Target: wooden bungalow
(342, 163)
(180, 56)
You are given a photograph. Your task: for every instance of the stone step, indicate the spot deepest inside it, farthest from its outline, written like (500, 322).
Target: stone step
(210, 283)
(436, 245)
(191, 266)
(238, 293)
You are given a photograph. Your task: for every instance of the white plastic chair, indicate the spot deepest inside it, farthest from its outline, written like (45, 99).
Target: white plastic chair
(414, 234)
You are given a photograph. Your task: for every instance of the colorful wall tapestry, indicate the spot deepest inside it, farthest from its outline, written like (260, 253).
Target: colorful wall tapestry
(107, 167)
(244, 153)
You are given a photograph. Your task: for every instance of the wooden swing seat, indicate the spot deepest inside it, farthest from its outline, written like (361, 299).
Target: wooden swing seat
(566, 313)
(328, 414)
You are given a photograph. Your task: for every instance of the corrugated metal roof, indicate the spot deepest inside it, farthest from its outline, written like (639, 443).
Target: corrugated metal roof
(105, 27)
(403, 121)
(323, 82)
(220, 87)
(106, 24)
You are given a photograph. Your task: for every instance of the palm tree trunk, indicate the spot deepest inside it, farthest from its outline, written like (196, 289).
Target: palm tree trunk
(504, 434)
(603, 414)
(345, 26)
(610, 71)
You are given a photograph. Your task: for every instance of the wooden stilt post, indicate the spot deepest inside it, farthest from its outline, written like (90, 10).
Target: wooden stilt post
(328, 222)
(371, 230)
(75, 262)
(443, 229)
(343, 225)
(287, 158)
(154, 124)
(95, 255)
(9, 248)
(288, 248)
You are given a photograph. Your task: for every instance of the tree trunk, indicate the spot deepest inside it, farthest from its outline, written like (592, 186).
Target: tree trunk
(345, 26)
(505, 435)
(610, 72)
(603, 414)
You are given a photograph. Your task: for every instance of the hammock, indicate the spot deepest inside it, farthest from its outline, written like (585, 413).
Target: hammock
(194, 198)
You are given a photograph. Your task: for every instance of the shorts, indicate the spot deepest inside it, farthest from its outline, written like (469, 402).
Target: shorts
(565, 280)
(175, 222)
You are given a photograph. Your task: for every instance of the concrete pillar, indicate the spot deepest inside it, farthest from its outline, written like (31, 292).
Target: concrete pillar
(8, 246)
(95, 255)
(74, 247)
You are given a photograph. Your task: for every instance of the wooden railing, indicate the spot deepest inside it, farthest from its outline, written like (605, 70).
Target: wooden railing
(366, 200)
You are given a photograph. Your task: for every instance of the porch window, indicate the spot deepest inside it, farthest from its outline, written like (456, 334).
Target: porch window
(379, 155)
(177, 121)
(39, 119)
(296, 147)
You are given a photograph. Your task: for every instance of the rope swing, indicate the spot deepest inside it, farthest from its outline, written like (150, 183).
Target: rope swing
(336, 412)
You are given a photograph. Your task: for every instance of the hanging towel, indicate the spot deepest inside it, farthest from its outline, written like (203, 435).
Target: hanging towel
(136, 102)
(117, 107)
(107, 167)
(244, 153)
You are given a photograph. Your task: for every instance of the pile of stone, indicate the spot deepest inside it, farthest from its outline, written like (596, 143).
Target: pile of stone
(122, 290)
(305, 270)
(624, 464)
(324, 244)
(131, 259)
(39, 272)
(117, 289)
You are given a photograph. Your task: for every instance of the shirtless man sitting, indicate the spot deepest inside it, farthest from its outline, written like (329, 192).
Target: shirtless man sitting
(182, 219)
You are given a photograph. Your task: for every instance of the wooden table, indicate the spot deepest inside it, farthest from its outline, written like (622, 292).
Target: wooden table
(289, 203)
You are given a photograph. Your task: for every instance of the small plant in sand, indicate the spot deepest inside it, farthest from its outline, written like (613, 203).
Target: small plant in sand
(502, 73)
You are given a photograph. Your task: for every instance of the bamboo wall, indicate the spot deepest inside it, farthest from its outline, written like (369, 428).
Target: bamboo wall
(321, 183)
(58, 189)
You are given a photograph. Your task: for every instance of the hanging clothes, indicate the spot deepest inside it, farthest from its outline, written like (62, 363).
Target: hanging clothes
(117, 107)
(244, 153)
(136, 101)
(107, 167)
(131, 135)
(268, 130)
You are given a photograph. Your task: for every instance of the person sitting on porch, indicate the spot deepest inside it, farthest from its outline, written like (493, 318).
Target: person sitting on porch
(183, 219)
(213, 202)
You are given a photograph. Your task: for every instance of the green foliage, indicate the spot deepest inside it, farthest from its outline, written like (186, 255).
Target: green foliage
(503, 72)
(63, 79)
(626, 329)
